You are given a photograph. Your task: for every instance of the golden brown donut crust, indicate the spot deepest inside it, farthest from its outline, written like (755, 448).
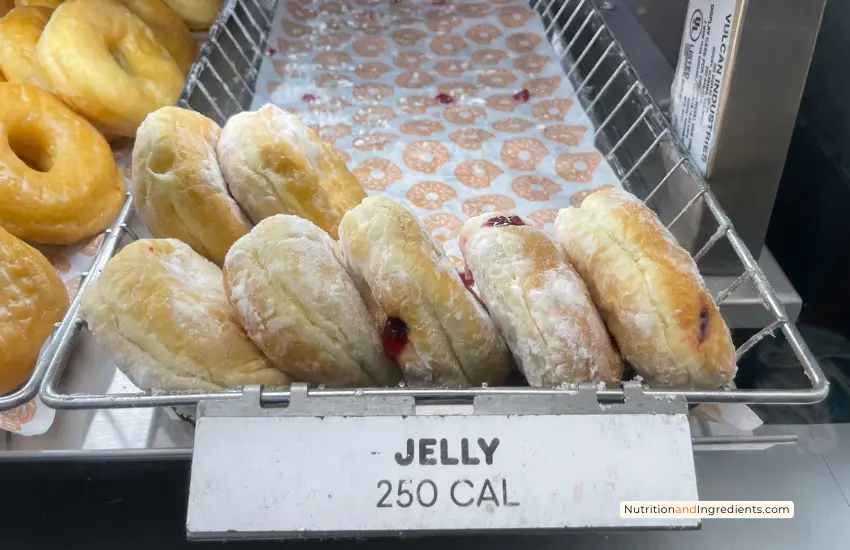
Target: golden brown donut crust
(20, 30)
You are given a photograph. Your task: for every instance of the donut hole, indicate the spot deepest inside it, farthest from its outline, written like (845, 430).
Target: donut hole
(478, 171)
(524, 155)
(31, 150)
(432, 196)
(377, 173)
(162, 160)
(426, 157)
(115, 51)
(580, 165)
(536, 187)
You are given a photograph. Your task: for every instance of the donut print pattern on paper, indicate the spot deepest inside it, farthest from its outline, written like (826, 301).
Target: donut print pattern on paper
(456, 108)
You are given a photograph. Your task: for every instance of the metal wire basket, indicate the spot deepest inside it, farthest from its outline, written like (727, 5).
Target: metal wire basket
(631, 132)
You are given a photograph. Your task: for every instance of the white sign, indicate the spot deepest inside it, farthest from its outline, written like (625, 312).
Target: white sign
(293, 476)
(698, 91)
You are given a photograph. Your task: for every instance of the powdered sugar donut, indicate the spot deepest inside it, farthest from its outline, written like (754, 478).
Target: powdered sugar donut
(371, 69)
(478, 173)
(523, 153)
(333, 39)
(414, 80)
(407, 37)
(506, 103)
(332, 60)
(421, 127)
(448, 45)
(457, 89)
(377, 174)
(544, 218)
(298, 12)
(496, 78)
(487, 203)
(443, 227)
(566, 134)
(410, 60)
(371, 46)
(577, 167)
(513, 125)
(514, 17)
(544, 86)
(483, 33)
(296, 30)
(552, 109)
(374, 115)
(372, 91)
(441, 22)
(535, 188)
(331, 80)
(452, 68)
(331, 106)
(343, 155)
(426, 156)
(523, 42)
(470, 138)
(290, 47)
(473, 9)
(488, 57)
(416, 104)
(374, 142)
(430, 195)
(532, 63)
(332, 132)
(464, 114)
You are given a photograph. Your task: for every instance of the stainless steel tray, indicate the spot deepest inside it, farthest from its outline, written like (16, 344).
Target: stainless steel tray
(631, 132)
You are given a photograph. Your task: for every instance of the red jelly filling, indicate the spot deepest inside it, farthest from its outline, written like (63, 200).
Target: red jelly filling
(522, 96)
(394, 337)
(272, 51)
(309, 98)
(703, 325)
(501, 221)
(445, 99)
(467, 278)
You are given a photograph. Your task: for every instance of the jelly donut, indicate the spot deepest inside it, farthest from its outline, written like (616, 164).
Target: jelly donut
(430, 195)
(552, 109)
(298, 12)
(535, 188)
(470, 138)
(562, 133)
(577, 167)
(421, 127)
(101, 32)
(371, 69)
(330, 80)
(452, 68)
(473, 9)
(448, 45)
(20, 30)
(371, 46)
(531, 63)
(648, 290)
(544, 86)
(506, 103)
(414, 80)
(523, 42)
(372, 91)
(515, 17)
(160, 310)
(487, 203)
(274, 164)
(477, 173)
(332, 60)
(377, 174)
(523, 153)
(407, 37)
(374, 142)
(33, 298)
(464, 114)
(58, 179)
(333, 39)
(457, 89)
(426, 156)
(198, 15)
(312, 322)
(292, 47)
(513, 125)
(496, 78)
(297, 30)
(432, 326)
(333, 132)
(488, 57)
(374, 115)
(168, 28)
(443, 227)
(410, 60)
(441, 22)
(538, 302)
(416, 104)
(178, 188)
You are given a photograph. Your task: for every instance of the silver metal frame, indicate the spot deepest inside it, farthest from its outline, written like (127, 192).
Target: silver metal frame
(630, 131)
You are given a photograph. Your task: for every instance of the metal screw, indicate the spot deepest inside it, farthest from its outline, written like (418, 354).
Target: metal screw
(607, 5)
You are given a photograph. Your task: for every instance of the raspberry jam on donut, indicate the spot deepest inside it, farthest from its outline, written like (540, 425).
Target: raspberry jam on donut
(445, 99)
(522, 96)
(467, 278)
(309, 98)
(394, 337)
(703, 325)
(502, 221)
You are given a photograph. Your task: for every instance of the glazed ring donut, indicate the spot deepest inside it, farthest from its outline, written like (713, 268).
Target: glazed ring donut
(544, 86)
(523, 153)
(421, 127)
(532, 63)
(97, 31)
(473, 9)
(426, 156)
(470, 138)
(441, 23)
(513, 125)
(59, 180)
(377, 174)
(292, 47)
(374, 115)
(496, 78)
(33, 298)
(568, 135)
(372, 91)
(448, 45)
(298, 12)
(371, 69)
(457, 89)
(452, 68)
(430, 195)
(405, 10)
(577, 167)
(199, 15)
(20, 30)
(296, 30)
(410, 60)
(374, 142)
(332, 60)
(506, 103)
(544, 218)
(487, 203)
(443, 227)
(333, 39)
(168, 28)
(432, 326)
(407, 37)
(371, 46)
(414, 80)
(416, 104)
(50, 4)
(515, 17)
(552, 109)
(330, 80)
(483, 33)
(478, 173)
(535, 188)
(488, 57)
(523, 42)
(464, 114)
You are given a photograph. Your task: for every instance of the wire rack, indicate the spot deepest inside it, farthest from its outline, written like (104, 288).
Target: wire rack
(631, 132)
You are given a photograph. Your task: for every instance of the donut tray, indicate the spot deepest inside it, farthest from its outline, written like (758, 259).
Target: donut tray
(629, 130)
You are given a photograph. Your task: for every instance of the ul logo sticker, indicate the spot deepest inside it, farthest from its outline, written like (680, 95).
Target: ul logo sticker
(695, 25)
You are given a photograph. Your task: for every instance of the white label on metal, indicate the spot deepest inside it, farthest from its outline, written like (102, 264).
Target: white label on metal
(697, 94)
(292, 476)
